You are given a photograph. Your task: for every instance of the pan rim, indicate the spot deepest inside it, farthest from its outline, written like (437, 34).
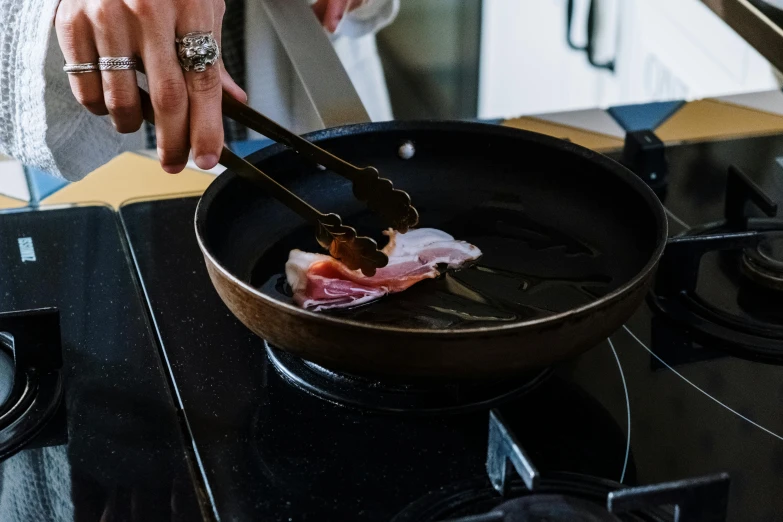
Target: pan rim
(622, 173)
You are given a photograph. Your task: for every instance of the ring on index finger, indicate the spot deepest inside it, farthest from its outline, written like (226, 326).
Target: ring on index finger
(197, 50)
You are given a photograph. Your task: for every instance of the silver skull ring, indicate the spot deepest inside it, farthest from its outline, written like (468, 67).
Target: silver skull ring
(197, 50)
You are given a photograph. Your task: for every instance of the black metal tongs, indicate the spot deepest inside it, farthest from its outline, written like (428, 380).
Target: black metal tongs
(342, 241)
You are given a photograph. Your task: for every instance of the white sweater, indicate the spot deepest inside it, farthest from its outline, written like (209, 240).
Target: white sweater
(43, 126)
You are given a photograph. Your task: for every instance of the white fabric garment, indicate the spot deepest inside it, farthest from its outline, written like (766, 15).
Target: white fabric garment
(43, 126)
(35, 485)
(272, 86)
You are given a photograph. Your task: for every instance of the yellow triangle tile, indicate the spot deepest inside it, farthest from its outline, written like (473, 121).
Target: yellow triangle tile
(711, 119)
(592, 140)
(6, 202)
(130, 176)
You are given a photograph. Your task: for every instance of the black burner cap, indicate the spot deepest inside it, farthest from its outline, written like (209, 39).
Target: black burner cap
(552, 508)
(764, 264)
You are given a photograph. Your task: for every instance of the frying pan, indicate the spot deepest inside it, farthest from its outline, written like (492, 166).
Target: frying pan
(571, 240)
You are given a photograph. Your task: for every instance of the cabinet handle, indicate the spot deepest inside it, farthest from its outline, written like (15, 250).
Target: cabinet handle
(589, 49)
(569, 24)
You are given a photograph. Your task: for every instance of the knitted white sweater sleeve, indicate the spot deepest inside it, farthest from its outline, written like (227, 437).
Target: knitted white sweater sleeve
(41, 124)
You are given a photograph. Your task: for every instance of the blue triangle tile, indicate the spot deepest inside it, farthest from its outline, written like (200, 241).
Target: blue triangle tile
(42, 184)
(646, 116)
(245, 148)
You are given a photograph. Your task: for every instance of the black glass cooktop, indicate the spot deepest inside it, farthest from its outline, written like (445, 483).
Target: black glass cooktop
(648, 405)
(172, 410)
(115, 450)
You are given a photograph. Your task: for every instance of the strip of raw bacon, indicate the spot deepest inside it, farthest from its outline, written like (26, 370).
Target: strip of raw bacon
(320, 282)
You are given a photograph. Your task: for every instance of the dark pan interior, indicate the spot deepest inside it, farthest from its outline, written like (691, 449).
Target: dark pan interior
(559, 227)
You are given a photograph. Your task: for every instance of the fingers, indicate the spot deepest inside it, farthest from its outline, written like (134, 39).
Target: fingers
(319, 8)
(205, 91)
(168, 93)
(330, 12)
(114, 39)
(187, 105)
(74, 33)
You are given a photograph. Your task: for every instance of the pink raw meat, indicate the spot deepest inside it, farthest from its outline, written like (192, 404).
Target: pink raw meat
(320, 282)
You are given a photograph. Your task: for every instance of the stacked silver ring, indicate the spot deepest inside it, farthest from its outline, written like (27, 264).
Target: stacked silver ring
(80, 68)
(117, 63)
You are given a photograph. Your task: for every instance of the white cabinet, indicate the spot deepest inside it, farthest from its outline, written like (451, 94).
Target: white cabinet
(525, 64)
(680, 49)
(664, 49)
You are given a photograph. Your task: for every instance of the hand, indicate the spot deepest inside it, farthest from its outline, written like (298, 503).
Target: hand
(187, 104)
(331, 12)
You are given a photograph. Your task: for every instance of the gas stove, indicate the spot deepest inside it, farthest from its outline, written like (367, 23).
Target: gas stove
(167, 396)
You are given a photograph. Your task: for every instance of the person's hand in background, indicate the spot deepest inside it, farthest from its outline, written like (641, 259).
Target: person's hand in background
(331, 12)
(187, 103)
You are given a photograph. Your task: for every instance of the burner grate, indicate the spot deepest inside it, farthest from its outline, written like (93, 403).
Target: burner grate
(7, 369)
(564, 496)
(31, 342)
(736, 312)
(477, 501)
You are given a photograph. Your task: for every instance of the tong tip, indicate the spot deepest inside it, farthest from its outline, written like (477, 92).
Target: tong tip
(354, 251)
